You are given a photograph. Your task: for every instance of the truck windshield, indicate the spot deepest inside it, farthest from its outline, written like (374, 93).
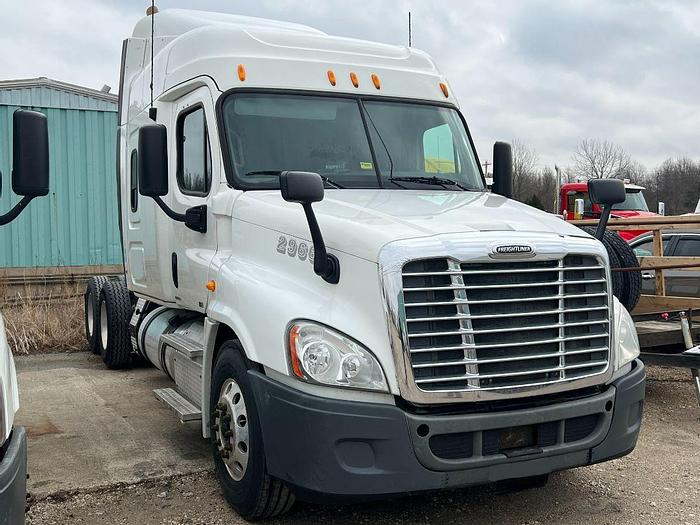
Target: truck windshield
(351, 142)
(633, 202)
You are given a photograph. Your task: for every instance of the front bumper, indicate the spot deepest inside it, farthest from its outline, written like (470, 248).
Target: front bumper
(13, 479)
(349, 449)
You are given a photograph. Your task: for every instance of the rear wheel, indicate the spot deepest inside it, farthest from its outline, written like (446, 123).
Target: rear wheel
(236, 441)
(92, 312)
(115, 313)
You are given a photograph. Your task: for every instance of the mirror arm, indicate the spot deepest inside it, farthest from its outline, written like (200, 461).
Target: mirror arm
(14, 212)
(603, 222)
(179, 217)
(326, 265)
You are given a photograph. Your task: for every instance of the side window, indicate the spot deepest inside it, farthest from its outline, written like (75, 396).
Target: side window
(571, 201)
(688, 247)
(438, 150)
(134, 188)
(193, 153)
(646, 249)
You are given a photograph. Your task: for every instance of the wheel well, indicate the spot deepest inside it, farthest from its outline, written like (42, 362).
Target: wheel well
(223, 334)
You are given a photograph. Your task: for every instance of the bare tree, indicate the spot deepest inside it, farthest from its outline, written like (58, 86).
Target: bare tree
(524, 163)
(600, 159)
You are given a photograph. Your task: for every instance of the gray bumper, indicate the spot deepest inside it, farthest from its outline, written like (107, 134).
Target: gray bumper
(349, 449)
(13, 479)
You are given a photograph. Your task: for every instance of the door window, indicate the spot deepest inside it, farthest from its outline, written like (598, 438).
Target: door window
(688, 247)
(646, 248)
(193, 153)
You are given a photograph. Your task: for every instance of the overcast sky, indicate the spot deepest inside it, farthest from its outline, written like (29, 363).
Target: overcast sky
(546, 73)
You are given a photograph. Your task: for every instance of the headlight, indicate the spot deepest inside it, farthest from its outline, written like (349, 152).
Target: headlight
(319, 354)
(626, 340)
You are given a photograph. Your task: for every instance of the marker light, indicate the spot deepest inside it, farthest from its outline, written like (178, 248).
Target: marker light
(241, 72)
(375, 80)
(331, 77)
(444, 89)
(211, 286)
(355, 81)
(321, 355)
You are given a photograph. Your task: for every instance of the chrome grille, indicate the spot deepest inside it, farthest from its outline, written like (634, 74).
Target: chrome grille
(496, 325)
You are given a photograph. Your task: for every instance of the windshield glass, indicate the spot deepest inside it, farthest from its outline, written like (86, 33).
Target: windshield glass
(351, 142)
(633, 202)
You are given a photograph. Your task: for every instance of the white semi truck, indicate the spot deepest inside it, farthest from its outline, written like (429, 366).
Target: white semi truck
(30, 179)
(312, 257)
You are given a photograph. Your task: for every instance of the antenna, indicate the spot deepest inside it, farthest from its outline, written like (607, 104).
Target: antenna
(410, 39)
(151, 11)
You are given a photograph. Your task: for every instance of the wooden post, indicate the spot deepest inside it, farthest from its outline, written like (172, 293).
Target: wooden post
(659, 252)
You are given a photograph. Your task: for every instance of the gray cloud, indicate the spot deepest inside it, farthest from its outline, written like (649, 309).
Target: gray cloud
(547, 73)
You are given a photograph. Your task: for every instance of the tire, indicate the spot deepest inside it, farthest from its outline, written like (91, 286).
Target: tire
(250, 490)
(115, 314)
(92, 312)
(633, 280)
(619, 283)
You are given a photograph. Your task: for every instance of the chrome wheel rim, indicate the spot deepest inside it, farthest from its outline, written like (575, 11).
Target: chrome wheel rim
(231, 429)
(103, 324)
(90, 315)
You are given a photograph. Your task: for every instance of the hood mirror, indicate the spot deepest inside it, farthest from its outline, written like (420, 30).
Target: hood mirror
(606, 193)
(306, 188)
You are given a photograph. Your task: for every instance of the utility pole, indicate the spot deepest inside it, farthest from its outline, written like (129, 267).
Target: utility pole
(557, 202)
(486, 168)
(410, 39)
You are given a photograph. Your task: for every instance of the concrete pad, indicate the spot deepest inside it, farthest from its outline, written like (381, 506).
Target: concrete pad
(89, 426)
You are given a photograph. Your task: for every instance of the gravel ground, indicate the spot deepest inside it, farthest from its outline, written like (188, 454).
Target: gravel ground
(657, 483)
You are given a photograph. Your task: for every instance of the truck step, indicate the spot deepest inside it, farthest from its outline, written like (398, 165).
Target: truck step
(183, 344)
(185, 410)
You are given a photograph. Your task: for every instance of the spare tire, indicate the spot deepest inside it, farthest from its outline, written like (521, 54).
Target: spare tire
(633, 279)
(627, 286)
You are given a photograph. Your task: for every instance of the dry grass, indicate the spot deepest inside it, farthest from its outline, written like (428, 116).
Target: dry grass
(47, 320)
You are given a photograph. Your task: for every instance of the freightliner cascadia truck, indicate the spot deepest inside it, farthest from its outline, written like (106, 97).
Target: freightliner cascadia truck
(30, 179)
(312, 257)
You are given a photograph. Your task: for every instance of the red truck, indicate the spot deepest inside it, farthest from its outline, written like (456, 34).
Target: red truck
(634, 206)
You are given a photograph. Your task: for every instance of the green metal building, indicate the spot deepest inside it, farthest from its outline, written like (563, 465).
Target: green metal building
(76, 225)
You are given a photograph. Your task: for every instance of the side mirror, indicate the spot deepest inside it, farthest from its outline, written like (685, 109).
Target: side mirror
(306, 188)
(30, 153)
(153, 160)
(30, 160)
(301, 187)
(502, 169)
(153, 176)
(606, 193)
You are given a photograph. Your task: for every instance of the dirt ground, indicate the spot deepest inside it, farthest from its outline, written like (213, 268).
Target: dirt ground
(657, 483)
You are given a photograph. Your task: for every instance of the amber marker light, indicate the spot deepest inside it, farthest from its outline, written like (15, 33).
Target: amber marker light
(241, 72)
(211, 286)
(444, 89)
(375, 80)
(331, 77)
(355, 81)
(296, 365)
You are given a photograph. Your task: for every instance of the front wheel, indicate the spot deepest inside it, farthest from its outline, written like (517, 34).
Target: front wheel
(236, 441)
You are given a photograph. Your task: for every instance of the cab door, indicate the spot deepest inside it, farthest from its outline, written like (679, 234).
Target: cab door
(196, 179)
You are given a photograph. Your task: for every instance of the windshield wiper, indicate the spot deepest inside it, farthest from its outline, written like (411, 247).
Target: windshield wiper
(435, 181)
(277, 173)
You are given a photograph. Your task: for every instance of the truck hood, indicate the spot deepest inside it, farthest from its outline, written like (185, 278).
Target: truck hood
(361, 222)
